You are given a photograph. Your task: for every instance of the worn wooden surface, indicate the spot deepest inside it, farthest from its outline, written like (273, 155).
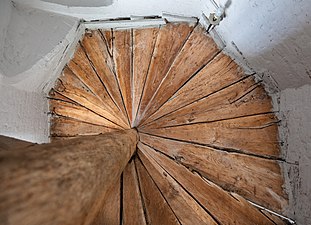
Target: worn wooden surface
(109, 212)
(225, 208)
(143, 48)
(157, 209)
(197, 51)
(81, 113)
(103, 64)
(64, 182)
(122, 55)
(217, 74)
(133, 212)
(108, 37)
(186, 209)
(8, 143)
(258, 140)
(170, 41)
(208, 131)
(257, 179)
(82, 68)
(67, 127)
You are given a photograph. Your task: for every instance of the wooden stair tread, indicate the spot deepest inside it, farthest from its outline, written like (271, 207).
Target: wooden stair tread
(209, 139)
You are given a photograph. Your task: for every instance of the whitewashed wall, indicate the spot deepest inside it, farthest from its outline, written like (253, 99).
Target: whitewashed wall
(274, 37)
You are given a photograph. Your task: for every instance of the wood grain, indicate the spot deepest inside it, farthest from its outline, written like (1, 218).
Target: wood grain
(208, 131)
(257, 179)
(67, 127)
(198, 50)
(98, 55)
(80, 113)
(241, 99)
(122, 55)
(157, 209)
(133, 212)
(82, 68)
(72, 88)
(93, 104)
(171, 39)
(109, 212)
(66, 181)
(143, 47)
(219, 73)
(108, 36)
(224, 207)
(259, 141)
(186, 209)
(8, 143)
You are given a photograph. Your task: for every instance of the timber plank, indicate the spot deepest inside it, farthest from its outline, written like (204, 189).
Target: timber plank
(217, 74)
(108, 36)
(198, 50)
(109, 212)
(241, 99)
(186, 209)
(72, 88)
(67, 127)
(277, 220)
(143, 47)
(92, 103)
(257, 179)
(122, 56)
(97, 53)
(170, 40)
(133, 212)
(263, 141)
(69, 78)
(74, 111)
(82, 68)
(53, 95)
(157, 209)
(225, 208)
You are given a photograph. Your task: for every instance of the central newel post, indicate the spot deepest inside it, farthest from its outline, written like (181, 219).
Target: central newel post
(64, 182)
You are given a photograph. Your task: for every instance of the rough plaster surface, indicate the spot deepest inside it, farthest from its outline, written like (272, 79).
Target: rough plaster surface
(23, 115)
(5, 14)
(31, 35)
(274, 37)
(120, 8)
(82, 3)
(295, 107)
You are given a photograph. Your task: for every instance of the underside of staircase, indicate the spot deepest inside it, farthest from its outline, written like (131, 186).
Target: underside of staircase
(208, 137)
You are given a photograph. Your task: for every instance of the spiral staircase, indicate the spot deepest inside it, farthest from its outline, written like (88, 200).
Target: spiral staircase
(208, 150)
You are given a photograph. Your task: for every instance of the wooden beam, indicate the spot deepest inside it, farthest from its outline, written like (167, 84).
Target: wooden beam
(109, 213)
(8, 143)
(64, 182)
